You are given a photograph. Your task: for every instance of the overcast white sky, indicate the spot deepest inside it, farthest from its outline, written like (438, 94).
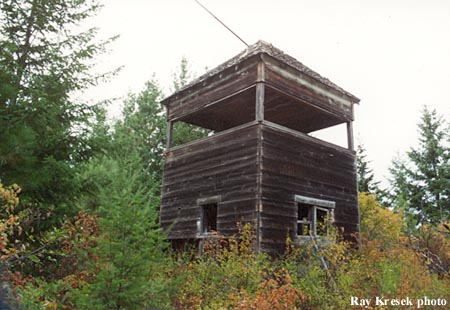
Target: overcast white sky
(392, 54)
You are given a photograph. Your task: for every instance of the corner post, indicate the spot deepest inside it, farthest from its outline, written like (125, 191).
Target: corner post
(169, 134)
(351, 145)
(260, 92)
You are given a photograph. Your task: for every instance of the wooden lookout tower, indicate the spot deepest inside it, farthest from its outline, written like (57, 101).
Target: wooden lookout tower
(260, 166)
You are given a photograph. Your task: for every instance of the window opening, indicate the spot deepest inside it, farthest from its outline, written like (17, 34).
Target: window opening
(209, 218)
(314, 216)
(304, 222)
(323, 221)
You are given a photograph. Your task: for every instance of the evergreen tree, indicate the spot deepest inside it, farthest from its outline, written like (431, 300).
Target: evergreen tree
(43, 61)
(366, 178)
(124, 193)
(421, 185)
(144, 120)
(397, 197)
(130, 251)
(182, 76)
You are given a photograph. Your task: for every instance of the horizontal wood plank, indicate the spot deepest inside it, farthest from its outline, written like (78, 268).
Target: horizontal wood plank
(222, 165)
(296, 165)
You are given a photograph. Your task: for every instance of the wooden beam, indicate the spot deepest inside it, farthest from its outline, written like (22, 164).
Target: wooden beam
(214, 136)
(315, 201)
(199, 96)
(209, 200)
(169, 134)
(214, 79)
(351, 145)
(308, 100)
(289, 73)
(259, 151)
(259, 108)
(215, 102)
(260, 78)
(304, 136)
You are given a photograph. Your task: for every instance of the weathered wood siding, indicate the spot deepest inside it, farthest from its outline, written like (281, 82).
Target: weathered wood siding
(293, 163)
(255, 165)
(212, 89)
(302, 87)
(224, 164)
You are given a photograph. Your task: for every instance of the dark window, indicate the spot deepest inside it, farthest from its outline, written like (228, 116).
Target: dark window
(304, 221)
(209, 218)
(313, 220)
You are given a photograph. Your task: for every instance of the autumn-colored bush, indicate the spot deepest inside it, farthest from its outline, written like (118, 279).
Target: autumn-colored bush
(275, 293)
(231, 275)
(225, 267)
(65, 255)
(56, 261)
(432, 246)
(387, 265)
(378, 224)
(10, 223)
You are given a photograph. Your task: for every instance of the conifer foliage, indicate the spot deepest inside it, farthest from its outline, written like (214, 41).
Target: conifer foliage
(366, 177)
(421, 184)
(144, 125)
(44, 59)
(130, 246)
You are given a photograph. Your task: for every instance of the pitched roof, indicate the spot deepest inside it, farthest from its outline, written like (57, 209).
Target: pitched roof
(261, 47)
